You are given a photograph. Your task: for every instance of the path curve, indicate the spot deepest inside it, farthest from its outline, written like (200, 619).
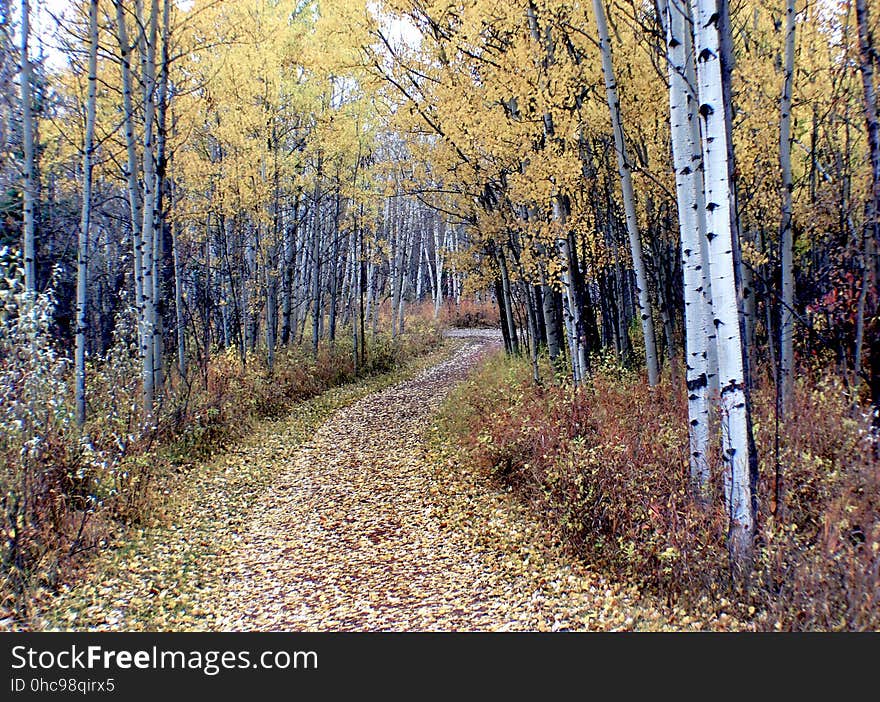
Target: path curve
(360, 531)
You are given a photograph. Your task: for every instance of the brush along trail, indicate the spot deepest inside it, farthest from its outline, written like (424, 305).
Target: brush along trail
(359, 528)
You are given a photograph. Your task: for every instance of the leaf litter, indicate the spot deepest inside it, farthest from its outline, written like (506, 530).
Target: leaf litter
(343, 516)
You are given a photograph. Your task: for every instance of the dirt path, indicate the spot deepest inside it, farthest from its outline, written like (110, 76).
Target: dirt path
(361, 531)
(359, 528)
(348, 536)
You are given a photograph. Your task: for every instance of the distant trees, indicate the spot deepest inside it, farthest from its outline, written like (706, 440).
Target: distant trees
(219, 176)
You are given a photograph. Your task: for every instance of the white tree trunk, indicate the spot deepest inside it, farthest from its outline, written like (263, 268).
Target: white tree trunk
(697, 165)
(355, 295)
(29, 194)
(623, 168)
(317, 312)
(786, 238)
(422, 262)
(407, 232)
(148, 228)
(160, 100)
(572, 308)
(178, 301)
(439, 243)
(82, 269)
(507, 302)
(686, 188)
(29, 190)
(132, 168)
(393, 228)
(734, 410)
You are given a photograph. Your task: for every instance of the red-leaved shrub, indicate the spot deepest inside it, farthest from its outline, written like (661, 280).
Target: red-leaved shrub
(607, 465)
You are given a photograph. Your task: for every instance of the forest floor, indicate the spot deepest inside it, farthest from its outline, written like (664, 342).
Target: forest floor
(341, 516)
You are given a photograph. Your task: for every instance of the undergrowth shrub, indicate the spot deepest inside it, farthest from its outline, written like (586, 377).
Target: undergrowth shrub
(607, 465)
(470, 314)
(39, 482)
(819, 556)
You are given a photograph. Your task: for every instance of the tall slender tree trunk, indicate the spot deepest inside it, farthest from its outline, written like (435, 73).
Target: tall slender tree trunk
(871, 247)
(700, 203)
(151, 363)
(551, 305)
(29, 194)
(624, 168)
(161, 231)
(422, 264)
(392, 228)
(334, 273)
(734, 408)
(439, 243)
(687, 183)
(355, 296)
(180, 327)
(580, 360)
(132, 166)
(82, 270)
(289, 276)
(532, 319)
(362, 284)
(403, 246)
(786, 236)
(271, 318)
(507, 300)
(317, 313)
(250, 286)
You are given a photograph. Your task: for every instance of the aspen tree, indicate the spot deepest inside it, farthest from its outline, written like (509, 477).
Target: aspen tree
(152, 364)
(734, 409)
(624, 169)
(82, 270)
(786, 237)
(687, 183)
(871, 246)
(29, 190)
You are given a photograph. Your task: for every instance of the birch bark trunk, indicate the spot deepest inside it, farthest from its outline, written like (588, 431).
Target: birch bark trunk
(29, 192)
(686, 188)
(786, 237)
(872, 237)
(317, 313)
(151, 364)
(734, 409)
(439, 243)
(132, 165)
(82, 271)
(624, 168)
(178, 299)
